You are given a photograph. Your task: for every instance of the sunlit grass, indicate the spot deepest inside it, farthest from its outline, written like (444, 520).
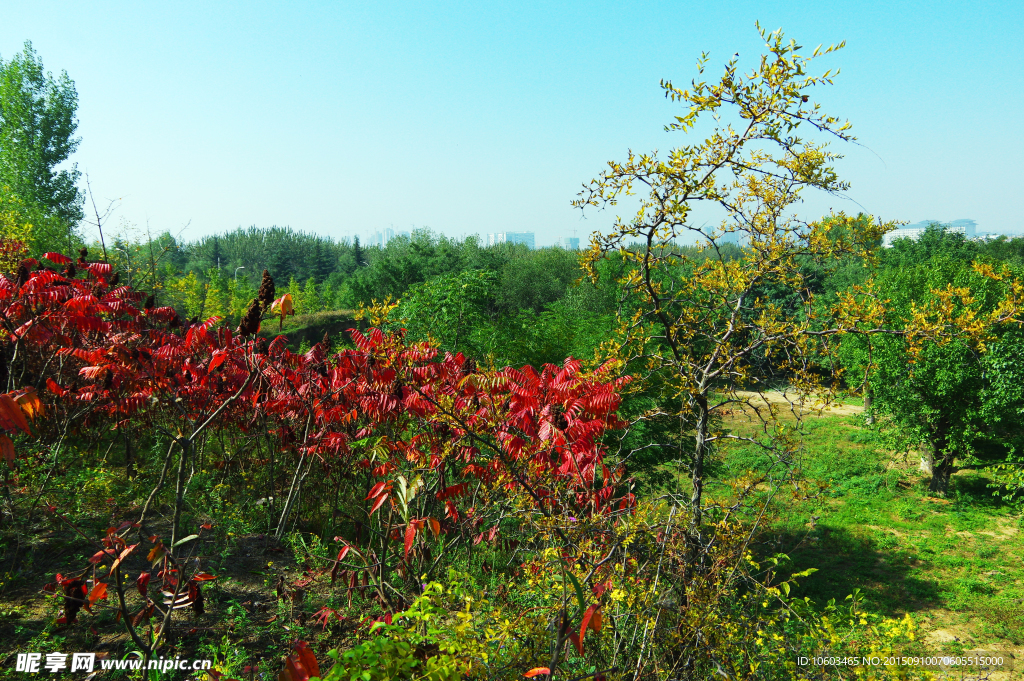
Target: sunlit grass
(955, 563)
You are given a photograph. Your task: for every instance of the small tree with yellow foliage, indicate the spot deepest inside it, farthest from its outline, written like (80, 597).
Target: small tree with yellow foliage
(711, 324)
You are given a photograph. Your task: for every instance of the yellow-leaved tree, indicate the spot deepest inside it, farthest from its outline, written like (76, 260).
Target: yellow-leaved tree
(721, 324)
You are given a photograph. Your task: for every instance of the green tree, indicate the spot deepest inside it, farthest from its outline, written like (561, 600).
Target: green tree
(189, 294)
(327, 296)
(942, 395)
(241, 294)
(217, 295)
(311, 301)
(451, 310)
(296, 293)
(37, 127)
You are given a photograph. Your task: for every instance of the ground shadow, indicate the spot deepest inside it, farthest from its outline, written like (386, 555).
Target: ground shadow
(846, 562)
(972, 487)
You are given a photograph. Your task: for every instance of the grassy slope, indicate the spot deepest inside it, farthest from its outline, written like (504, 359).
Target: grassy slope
(955, 564)
(311, 328)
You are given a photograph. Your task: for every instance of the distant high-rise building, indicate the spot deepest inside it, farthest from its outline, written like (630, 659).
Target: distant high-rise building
(511, 238)
(968, 228)
(731, 238)
(571, 243)
(381, 237)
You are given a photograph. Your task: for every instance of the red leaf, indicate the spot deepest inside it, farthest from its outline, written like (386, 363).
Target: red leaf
(575, 638)
(587, 622)
(537, 671)
(410, 536)
(375, 490)
(337, 562)
(218, 359)
(377, 504)
(300, 666)
(99, 591)
(58, 258)
(124, 554)
(55, 388)
(203, 577)
(435, 527)
(7, 450)
(10, 414)
(142, 582)
(157, 553)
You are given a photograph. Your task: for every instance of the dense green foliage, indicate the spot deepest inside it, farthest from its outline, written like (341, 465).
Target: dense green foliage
(37, 127)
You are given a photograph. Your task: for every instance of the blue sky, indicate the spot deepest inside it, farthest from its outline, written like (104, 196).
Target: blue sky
(343, 118)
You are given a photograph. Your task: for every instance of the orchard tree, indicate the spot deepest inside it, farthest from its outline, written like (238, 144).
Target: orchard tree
(704, 325)
(946, 381)
(37, 128)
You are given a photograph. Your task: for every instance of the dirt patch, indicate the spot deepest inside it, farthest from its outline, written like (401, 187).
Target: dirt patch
(795, 403)
(889, 530)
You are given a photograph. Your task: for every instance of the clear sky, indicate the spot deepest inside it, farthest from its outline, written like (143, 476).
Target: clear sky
(342, 118)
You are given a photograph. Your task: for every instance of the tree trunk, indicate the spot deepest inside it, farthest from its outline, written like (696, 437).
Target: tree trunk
(942, 461)
(700, 451)
(185, 444)
(868, 414)
(129, 466)
(941, 471)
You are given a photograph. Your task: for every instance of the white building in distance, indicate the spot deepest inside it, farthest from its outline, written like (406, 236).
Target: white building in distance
(511, 238)
(570, 243)
(969, 228)
(380, 238)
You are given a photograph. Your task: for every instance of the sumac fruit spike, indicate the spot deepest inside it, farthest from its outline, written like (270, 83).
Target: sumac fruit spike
(75, 592)
(83, 254)
(115, 279)
(71, 272)
(266, 292)
(150, 302)
(250, 324)
(22, 276)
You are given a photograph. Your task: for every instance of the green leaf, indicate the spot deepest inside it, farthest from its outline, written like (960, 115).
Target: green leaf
(576, 585)
(184, 540)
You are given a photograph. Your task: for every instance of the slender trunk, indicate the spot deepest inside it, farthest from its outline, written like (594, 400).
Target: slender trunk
(700, 452)
(942, 461)
(179, 495)
(129, 464)
(868, 414)
(292, 493)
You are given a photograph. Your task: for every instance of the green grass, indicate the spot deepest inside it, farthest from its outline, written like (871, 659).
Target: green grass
(955, 564)
(311, 328)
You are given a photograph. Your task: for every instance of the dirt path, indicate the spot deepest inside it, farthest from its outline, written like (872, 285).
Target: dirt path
(791, 400)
